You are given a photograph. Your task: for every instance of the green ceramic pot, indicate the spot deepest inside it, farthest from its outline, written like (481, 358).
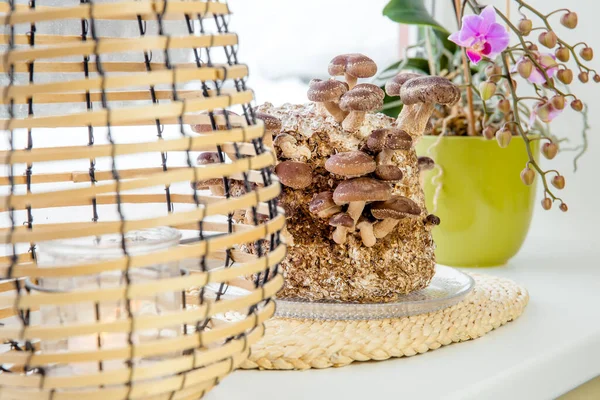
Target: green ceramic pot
(484, 207)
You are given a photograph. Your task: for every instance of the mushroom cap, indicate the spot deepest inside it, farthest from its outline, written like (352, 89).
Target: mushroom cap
(392, 87)
(294, 174)
(389, 138)
(350, 163)
(398, 207)
(321, 202)
(329, 90)
(361, 189)
(205, 158)
(432, 219)
(342, 219)
(357, 65)
(388, 173)
(364, 97)
(425, 163)
(284, 138)
(429, 89)
(271, 123)
(220, 122)
(208, 157)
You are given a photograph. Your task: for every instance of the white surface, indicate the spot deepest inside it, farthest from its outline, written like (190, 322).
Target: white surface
(552, 348)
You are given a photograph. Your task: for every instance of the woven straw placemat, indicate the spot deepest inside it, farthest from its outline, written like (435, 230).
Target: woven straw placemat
(302, 344)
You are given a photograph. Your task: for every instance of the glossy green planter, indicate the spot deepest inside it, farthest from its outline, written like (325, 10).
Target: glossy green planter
(484, 207)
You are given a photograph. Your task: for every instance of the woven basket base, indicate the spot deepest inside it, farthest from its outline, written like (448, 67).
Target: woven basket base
(295, 344)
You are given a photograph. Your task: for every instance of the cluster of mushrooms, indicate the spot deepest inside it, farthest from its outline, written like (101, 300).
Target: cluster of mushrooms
(363, 199)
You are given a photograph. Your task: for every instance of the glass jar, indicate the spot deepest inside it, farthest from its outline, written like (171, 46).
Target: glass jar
(88, 250)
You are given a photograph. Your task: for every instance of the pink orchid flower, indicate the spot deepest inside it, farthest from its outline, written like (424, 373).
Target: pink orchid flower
(481, 35)
(549, 64)
(545, 111)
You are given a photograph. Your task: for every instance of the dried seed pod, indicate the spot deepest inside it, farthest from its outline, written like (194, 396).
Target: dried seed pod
(549, 150)
(587, 53)
(563, 54)
(525, 26)
(546, 203)
(558, 182)
(565, 76)
(569, 20)
(528, 176)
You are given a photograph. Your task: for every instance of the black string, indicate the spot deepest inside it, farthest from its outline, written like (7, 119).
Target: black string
(116, 178)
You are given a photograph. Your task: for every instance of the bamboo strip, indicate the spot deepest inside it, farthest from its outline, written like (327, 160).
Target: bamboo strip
(195, 143)
(38, 200)
(123, 81)
(129, 115)
(130, 9)
(107, 66)
(111, 45)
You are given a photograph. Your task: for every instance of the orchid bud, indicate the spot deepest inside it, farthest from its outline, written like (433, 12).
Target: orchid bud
(563, 54)
(489, 132)
(493, 72)
(504, 106)
(528, 176)
(532, 47)
(558, 102)
(549, 150)
(565, 76)
(525, 26)
(503, 137)
(569, 20)
(525, 67)
(584, 77)
(558, 182)
(577, 105)
(548, 39)
(487, 90)
(563, 207)
(587, 53)
(546, 204)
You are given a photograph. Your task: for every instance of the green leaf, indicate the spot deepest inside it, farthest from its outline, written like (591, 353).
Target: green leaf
(412, 12)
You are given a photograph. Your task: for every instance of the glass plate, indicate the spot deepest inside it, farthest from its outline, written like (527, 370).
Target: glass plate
(448, 287)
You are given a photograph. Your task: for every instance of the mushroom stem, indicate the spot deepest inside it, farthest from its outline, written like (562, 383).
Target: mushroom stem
(268, 139)
(217, 190)
(329, 212)
(355, 209)
(289, 150)
(350, 80)
(336, 112)
(339, 235)
(384, 157)
(353, 121)
(384, 227)
(413, 118)
(366, 233)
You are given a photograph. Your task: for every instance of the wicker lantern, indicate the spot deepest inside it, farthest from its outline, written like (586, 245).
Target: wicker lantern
(119, 266)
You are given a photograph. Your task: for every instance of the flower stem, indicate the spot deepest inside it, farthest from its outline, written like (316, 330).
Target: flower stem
(467, 75)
